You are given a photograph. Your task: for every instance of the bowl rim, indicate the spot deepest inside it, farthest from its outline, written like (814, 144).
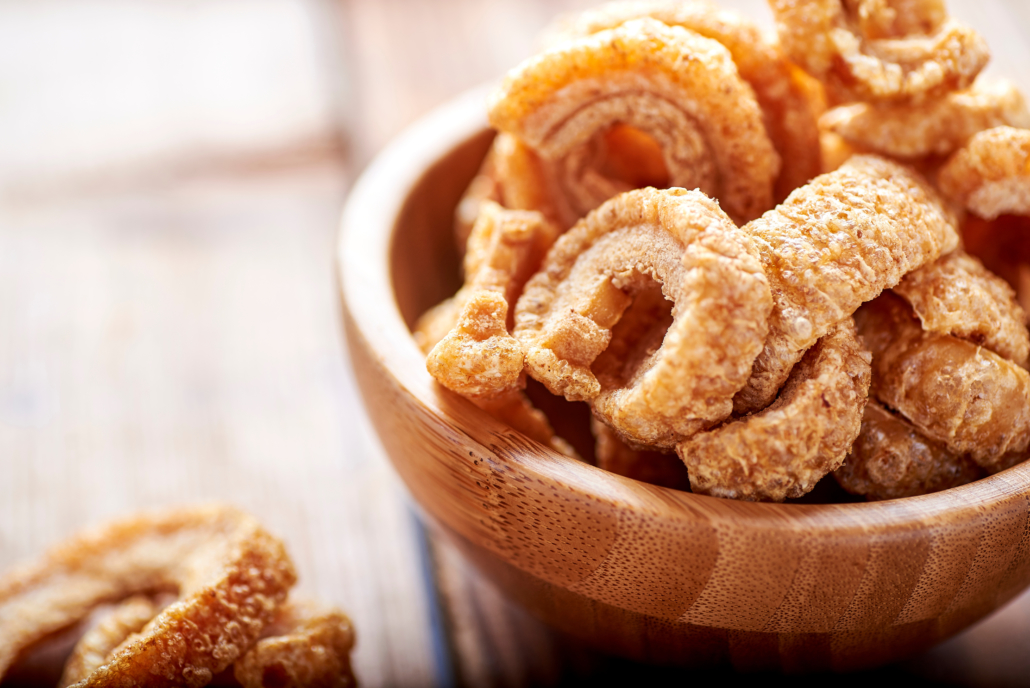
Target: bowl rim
(363, 260)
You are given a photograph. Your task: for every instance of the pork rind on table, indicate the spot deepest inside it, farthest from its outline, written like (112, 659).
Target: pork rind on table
(227, 581)
(716, 325)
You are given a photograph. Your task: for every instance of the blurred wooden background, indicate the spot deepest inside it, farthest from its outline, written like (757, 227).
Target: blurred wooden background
(171, 175)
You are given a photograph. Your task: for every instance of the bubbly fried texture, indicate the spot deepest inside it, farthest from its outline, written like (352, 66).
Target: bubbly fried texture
(97, 644)
(957, 295)
(677, 87)
(474, 354)
(784, 450)
(875, 50)
(230, 574)
(789, 103)
(706, 267)
(970, 399)
(935, 127)
(832, 245)
(306, 646)
(990, 175)
(891, 459)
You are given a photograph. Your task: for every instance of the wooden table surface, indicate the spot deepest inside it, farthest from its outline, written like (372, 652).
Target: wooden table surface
(171, 175)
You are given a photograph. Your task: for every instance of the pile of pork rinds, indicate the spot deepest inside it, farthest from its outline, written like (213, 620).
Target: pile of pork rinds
(750, 251)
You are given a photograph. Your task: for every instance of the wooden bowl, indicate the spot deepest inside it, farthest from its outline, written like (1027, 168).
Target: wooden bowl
(645, 572)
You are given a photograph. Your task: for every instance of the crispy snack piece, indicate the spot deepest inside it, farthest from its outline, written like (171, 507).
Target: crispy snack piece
(306, 646)
(970, 399)
(935, 127)
(875, 50)
(230, 575)
(680, 89)
(97, 644)
(832, 245)
(789, 101)
(990, 176)
(473, 353)
(784, 450)
(891, 459)
(516, 178)
(957, 295)
(707, 268)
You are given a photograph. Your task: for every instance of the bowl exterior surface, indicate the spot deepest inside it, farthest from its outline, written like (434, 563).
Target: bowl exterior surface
(642, 571)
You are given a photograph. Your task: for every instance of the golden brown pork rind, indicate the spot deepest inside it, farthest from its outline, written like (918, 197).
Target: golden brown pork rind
(970, 399)
(679, 88)
(306, 646)
(957, 295)
(97, 644)
(707, 268)
(231, 576)
(832, 245)
(470, 349)
(789, 101)
(874, 50)
(990, 176)
(645, 465)
(784, 450)
(935, 127)
(891, 459)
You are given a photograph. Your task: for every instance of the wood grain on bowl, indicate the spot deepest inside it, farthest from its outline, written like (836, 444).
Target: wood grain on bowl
(639, 570)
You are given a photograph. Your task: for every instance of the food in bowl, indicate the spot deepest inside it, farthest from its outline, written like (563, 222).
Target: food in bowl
(716, 323)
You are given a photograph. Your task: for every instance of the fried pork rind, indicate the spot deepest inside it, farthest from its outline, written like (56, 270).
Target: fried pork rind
(645, 465)
(891, 459)
(788, 101)
(832, 245)
(880, 50)
(230, 575)
(470, 349)
(707, 268)
(680, 89)
(990, 176)
(956, 295)
(94, 648)
(935, 127)
(953, 391)
(784, 450)
(306, 646)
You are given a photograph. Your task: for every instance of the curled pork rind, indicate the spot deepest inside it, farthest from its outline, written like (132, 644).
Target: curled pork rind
(935, 127)
(953, 391)
(891, 459)
(832, 245)
(474, 354)
(307, 646)
(957, 295)
(707, 268)
(680, 89)
(783, 451)
(230, 574)
(875, 50)
(990, 176)
(97, 644)
(789, 104)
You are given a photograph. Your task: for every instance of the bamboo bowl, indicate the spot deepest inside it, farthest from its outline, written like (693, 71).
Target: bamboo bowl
(641, 571)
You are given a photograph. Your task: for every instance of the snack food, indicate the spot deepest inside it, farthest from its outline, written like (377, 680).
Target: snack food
(229, 576)
(706, 267)
(650, 307)
(891, 459)
(784, 450)
(832, 245)
(953, 391)
(871, 50)
(789, 102)
(935, 127)
(679, 88)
